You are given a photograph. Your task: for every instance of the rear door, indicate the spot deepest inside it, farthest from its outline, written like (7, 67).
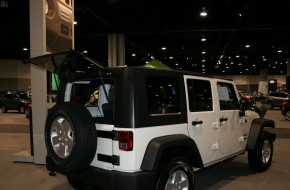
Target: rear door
(202, 122)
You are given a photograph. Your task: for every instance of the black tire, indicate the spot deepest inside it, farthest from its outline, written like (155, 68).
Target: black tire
(27, 113)
(260, 158)
(176, 174)
(287, 115)
(271, 105)
(70, 136)
(21, 109)
(4, 109)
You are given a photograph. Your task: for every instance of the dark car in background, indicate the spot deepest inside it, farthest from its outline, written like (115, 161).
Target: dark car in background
(276, 99)
(286, 109)
(14, 100)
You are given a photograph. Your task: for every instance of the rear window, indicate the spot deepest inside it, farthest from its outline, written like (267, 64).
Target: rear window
(162, 95)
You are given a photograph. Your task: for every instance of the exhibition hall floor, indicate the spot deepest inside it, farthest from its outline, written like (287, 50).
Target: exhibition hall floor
(14, 138)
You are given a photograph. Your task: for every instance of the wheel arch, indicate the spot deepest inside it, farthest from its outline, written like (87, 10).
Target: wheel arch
(257, 127)
(159, 146)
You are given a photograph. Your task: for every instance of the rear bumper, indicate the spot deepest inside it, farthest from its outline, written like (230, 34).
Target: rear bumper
(110, 179)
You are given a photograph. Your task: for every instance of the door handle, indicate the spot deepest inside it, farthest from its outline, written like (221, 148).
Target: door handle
(223, 119)
(197, 122)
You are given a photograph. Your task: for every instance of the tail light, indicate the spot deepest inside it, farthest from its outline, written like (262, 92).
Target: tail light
(125, 140)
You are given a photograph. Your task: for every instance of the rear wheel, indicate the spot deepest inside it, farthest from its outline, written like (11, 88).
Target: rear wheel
(75, 183)
(176, 174)
(70, 136)
(3, 109)
(260, 158)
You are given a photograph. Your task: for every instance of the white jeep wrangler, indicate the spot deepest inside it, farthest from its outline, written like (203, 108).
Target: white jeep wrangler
(146, 128)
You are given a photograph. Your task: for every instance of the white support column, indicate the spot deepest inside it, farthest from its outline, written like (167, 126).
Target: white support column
(38, 85)
(40, 105)
(116, 49)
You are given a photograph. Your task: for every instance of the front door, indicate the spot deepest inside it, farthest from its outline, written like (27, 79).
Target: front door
(230, 129)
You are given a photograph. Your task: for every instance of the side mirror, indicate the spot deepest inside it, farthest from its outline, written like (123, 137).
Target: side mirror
(243, 105)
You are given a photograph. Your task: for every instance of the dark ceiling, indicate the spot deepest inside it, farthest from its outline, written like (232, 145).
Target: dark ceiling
(150, 25)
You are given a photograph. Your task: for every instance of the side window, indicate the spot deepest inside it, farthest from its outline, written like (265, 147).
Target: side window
(162, 95)
(227, 96)
(9, 96)
(199, 95)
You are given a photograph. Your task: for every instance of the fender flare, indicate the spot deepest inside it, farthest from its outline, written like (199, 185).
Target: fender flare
(157, 146)
(257, 127)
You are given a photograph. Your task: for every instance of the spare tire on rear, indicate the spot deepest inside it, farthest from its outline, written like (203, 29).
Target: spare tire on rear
(70, 136)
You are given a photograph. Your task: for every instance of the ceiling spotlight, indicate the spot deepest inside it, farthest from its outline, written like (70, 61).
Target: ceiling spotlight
(203, 39)
(163, 48)
(203, 12)
(75, 22)
(203, 52)
(25, 49)
(279, 51)
(248, 45)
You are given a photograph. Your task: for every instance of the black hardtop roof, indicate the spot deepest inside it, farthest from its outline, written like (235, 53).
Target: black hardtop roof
(179, 72)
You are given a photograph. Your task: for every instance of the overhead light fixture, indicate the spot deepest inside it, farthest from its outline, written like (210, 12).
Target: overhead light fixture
(75, 22)
(203, 39)
(248, 45)
(25, 49)
(279, 51)
(163, 48)
(203, 12)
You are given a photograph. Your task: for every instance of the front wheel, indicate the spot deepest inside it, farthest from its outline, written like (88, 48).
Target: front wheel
(287, 115)
(21, 109)
(260, 158)
(177, 174)
(271, 105)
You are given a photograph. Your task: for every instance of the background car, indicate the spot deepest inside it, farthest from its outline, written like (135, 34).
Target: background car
(276, 99)
(249, 98)
(14, 100)
(286, 109)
